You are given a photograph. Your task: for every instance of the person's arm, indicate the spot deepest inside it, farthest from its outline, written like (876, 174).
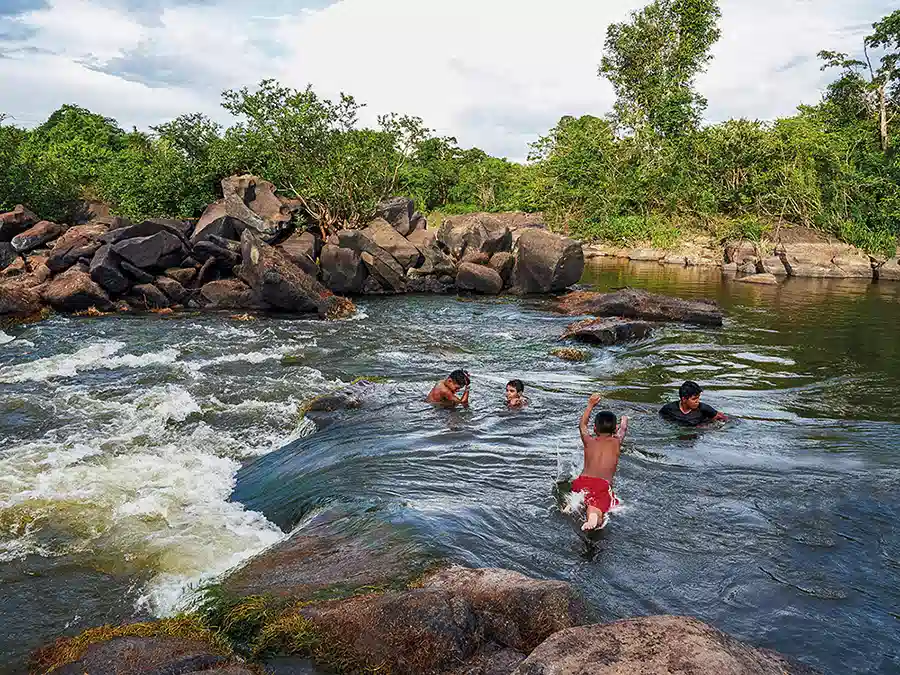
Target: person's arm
(720, 417)
(623, 428)
(465, 397)
(711, 414)
(586, 417)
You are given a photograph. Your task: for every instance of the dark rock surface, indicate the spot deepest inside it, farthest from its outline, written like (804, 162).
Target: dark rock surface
(546, 262)
(638, 304)
(607, 331)
(75, 291)
(37, 235)
(478, 278)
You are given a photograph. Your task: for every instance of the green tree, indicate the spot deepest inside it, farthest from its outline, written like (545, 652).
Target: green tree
(653, 60)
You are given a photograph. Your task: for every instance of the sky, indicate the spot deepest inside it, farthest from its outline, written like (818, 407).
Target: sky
(495, 74)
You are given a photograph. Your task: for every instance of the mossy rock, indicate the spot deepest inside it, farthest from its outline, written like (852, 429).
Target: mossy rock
(570, 354)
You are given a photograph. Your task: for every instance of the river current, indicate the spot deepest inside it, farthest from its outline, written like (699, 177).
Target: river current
(141, 456)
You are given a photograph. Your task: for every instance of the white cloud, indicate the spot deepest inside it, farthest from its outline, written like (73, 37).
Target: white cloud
(493, 73)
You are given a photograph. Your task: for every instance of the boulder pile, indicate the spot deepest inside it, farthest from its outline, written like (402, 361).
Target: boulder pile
(245, 252)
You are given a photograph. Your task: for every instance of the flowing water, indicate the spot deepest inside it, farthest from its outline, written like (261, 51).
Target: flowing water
(141, 456)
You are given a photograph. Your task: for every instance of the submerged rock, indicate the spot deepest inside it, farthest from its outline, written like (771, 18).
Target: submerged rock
(607, 331)
(656, 645)
(762, 278)
(638, 304)
(569, 354)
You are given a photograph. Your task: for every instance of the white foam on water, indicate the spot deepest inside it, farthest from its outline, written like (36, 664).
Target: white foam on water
(5, 339)
(100, 355)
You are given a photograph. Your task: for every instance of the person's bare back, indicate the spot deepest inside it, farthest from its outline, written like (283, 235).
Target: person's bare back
(445, 393)
(601, 459)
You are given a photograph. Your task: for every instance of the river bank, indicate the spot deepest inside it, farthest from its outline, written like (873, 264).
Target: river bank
(152, 454)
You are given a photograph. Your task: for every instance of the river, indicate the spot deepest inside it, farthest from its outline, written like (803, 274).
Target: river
(143, 455)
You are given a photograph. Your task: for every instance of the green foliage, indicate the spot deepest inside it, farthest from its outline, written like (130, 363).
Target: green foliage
(653, 60)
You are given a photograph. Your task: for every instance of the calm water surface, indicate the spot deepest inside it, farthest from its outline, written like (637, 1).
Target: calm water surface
(140, 456)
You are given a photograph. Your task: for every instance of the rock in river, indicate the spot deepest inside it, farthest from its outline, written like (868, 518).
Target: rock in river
(478, 278)
(607, 331)
(546, 262)
(638, 304)
(75, 291)
(655, 645)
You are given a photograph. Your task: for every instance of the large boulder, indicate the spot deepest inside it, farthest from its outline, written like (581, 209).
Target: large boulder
(37, 235)
(398, 212)
(417, 222)
(158, 251)
(302, 246)
(16, 221)
(655, 645)
(607, 331)
(147, 228)
(148, 296)
(478, 233)
(248, 203)
(177, 293)
(404, 633)
(889, 270)
(278, 282)
(75, 291)
(763, 279)
(639, 304)
(503, 264)
(106, 271)
(129, 655)
(808, 253)
(343, 270)
(380, 264)
(229, 294)
(546, 262)
(8, 254)
(19, 299)
(513, 610)
(385, 236)
(81, 241)
(478, 278)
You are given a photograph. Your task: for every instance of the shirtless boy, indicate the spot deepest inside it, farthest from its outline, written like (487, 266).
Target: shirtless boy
(601, 457)
(515, 394)
(445, 392)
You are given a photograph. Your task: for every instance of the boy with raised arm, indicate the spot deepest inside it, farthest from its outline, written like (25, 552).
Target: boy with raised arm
(601, 457)
(445, 392)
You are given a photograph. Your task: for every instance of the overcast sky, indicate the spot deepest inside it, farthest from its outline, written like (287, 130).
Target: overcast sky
(494, 73)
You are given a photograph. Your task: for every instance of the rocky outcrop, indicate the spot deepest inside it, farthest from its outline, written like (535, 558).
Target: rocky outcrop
(806, 253)
(546, 262)
(762, 279)
(638, 304)
(248, 203)
(478, 278)
(389, 239)
(15, 222)
(343, 270)
(379, 263)
(656, 645)
(106, 270)
(399, 213)
(478, 233)
(229, 294)
(36, 236)
(889, 270)
(282, 285)
(19, 300)
(81, 241)
(75, 291)
(607, 331)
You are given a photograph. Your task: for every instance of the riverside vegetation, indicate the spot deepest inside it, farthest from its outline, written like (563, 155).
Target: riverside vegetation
(649, 171)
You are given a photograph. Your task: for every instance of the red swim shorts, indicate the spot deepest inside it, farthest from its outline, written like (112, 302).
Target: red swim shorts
(598, 492)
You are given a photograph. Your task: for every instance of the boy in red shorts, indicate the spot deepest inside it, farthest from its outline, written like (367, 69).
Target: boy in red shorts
(601, 457)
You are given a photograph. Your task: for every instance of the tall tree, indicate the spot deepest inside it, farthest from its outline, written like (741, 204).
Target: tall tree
(653, 60)
(886, 37)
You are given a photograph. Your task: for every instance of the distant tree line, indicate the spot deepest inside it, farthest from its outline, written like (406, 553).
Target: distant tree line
(648, 170)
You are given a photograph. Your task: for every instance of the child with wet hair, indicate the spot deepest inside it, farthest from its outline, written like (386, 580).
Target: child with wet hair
(515, 394)
(445, 392)
(601, 458)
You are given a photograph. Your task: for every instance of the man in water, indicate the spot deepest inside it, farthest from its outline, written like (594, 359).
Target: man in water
(515, 396)
(601, 458)
(689, 411)
(445, 392)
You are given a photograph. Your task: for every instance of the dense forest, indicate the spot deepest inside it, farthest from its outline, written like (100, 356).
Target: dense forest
(649, 170)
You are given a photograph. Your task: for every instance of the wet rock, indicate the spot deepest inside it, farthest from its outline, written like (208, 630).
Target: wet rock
(478, 278)
(762, 279)
(656, 645)
(478, 233)
(513, 610)
(379, 263)
(321, 559)
(148, 296)
(134, 655)
(546, 262)
(136, 273)
(503, 263)
(278, 282)
(343, 270)
(748, 268)
(647, 255)
(8, 255)
(607, 331)
(741, 252)
(229, 294)
(385, 236)
(16, 221)
(807, 253)
(638, 304)
(404, 633)
(183, 275)
(177, 293)
(75, 291)
(569, 354)
(889, 270)
(106, 271)
(398, 213)
(430, 284)
(81, 241)
(157, 251)
(37, 235)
